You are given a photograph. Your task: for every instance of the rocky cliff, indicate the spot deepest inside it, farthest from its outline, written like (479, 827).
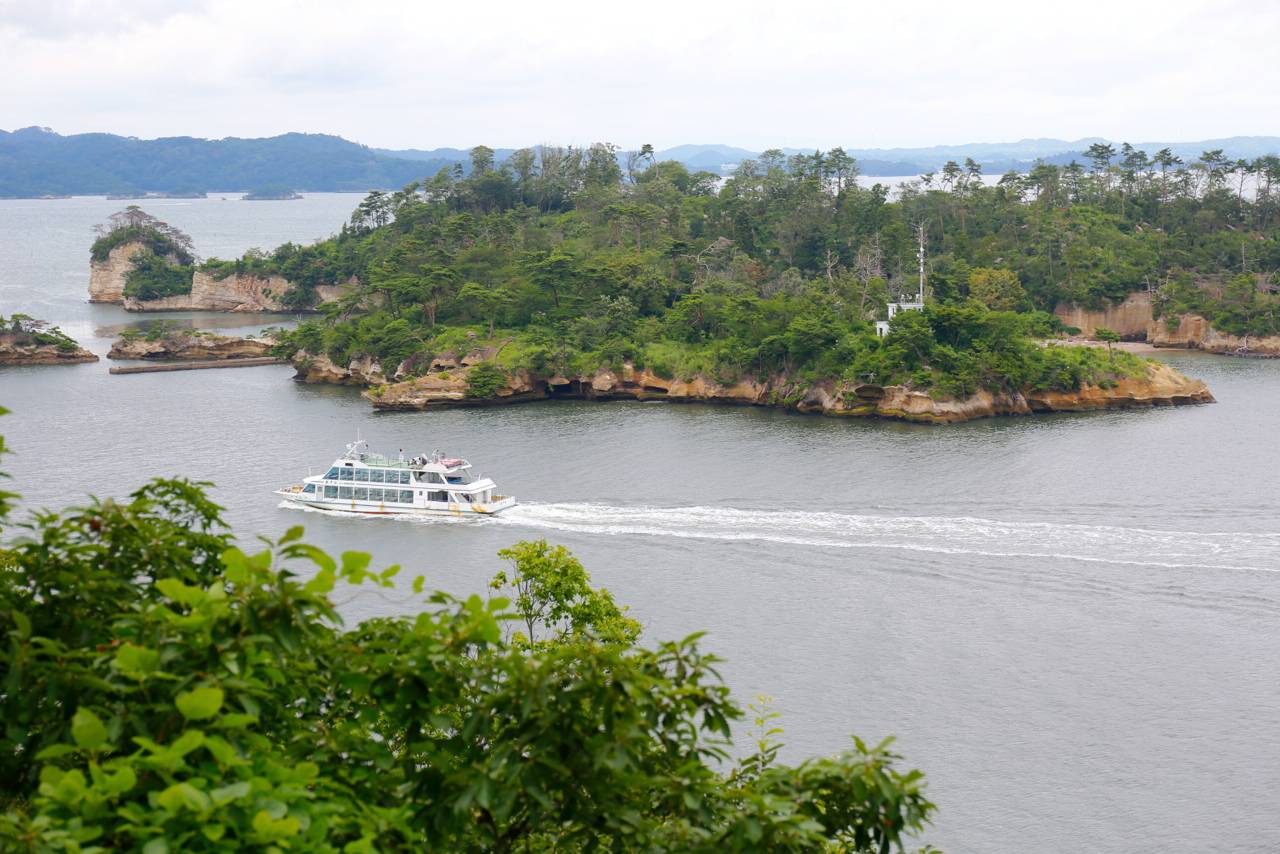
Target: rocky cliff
(1195, 333)
(1162, 386)
(1130, 318)
(191, 345)
(106, 278)
(237, 292)
(363, 371)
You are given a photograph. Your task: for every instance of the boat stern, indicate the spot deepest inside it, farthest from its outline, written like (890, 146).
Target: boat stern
(497, 505)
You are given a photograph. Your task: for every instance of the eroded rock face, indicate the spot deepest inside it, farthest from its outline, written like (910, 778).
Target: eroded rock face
(321, 369)
(1196, 333)
(1130, 318)
(183, 345)
(238, 292)
(1161, 386)
(12, 352)
(106, 278)
(449, 388)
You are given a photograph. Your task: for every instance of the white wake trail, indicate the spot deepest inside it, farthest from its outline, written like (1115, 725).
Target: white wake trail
(937, 534)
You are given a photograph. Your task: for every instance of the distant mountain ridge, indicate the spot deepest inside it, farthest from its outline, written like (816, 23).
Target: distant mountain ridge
(38, 162)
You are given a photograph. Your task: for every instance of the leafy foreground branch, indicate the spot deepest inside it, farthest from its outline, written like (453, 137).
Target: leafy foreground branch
(165, 691)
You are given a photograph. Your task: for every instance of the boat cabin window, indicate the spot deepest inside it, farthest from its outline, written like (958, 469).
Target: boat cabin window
(406, 496)
(404, 477)
(344, 492)
(437, 496)
(344, 474)
(375, 476)
(375, 495)
(430, 477)
(310, 487)
(331, 474)
(362, 494)
(362, 475)
(331, 492)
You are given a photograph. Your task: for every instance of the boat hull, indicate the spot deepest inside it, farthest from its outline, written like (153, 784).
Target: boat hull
(372, 508)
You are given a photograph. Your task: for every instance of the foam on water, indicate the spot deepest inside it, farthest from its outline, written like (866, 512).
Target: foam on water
(1105, 544)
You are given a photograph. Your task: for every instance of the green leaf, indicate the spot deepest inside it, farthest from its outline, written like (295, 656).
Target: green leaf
(315, 555)
(159, 845)
(294, 533)
(23, 624)
(225, 794)
(88, 730)
(355, 565)
(185, 743)
(237, 566)
(322, 583)
(181, 795)
(417, 584)
(221, 750)
(120, 782)
(179, 592)
(137, 661)
(235, 720)
(53, 751)
(200, 703)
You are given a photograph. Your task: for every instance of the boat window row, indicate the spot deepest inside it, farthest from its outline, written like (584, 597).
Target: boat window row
(368, 475)
(364, 493)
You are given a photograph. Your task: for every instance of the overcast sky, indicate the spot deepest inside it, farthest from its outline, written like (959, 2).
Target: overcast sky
(426, 74)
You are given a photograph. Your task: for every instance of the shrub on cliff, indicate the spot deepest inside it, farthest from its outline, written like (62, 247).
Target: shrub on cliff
(26, 331)
(166, 691)
(484, 380)
(134, 225)
(154, 277)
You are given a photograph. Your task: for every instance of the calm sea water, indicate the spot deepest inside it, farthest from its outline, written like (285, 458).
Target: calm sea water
(1070, 622)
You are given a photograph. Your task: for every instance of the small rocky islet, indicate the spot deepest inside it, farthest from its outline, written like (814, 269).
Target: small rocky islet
(25, 340)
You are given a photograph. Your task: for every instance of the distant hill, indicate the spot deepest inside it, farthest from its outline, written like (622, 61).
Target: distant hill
(38, 162)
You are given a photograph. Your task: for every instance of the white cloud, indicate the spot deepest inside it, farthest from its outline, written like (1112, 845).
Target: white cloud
(403, 74)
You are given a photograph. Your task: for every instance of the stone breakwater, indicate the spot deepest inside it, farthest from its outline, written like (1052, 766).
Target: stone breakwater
(1161, 386)
(243, 292)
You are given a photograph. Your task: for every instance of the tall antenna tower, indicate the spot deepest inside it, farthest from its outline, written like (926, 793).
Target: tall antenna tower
(921, 233)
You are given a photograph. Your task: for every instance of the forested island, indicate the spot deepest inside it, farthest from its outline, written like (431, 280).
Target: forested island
(274, 193)
(561, 265)
(581, 272)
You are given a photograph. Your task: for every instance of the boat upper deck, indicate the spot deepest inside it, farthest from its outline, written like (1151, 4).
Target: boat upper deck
(421, 462)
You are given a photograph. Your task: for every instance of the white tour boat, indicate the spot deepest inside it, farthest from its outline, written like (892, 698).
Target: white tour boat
(362, 482)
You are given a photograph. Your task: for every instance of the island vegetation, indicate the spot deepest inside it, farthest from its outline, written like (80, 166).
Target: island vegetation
(166, 691)
(564, 261)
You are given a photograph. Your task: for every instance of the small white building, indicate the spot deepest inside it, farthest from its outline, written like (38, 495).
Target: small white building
(882, 326)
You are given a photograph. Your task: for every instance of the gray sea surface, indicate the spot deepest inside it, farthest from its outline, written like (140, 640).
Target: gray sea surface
(1070, 622)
